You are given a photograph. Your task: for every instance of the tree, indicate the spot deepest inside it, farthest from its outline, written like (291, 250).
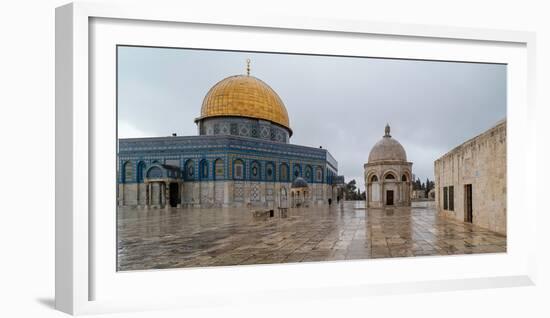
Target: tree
(429, 185)
(417, 185)
(353, 192)
(425, 186)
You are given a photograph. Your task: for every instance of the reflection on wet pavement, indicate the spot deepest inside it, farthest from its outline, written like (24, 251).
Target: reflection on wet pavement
(175, 238)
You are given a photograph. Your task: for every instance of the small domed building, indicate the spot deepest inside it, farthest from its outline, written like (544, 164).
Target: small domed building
(388, 174)
(242, 156)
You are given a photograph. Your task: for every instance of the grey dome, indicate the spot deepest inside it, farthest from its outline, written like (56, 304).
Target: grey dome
(299, 183)
(387, 149)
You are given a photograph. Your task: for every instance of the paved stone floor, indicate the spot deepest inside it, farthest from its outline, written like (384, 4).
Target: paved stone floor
(213, 237)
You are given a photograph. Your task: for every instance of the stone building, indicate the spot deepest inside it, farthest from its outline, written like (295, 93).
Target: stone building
(388, 174)
(418, 194)
(470, 180)
(241, 156)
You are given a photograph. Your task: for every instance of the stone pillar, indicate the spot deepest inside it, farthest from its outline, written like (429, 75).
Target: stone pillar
(400, 190)
(160, 193)
(366, 195)
(166, 195)
(227, 192)
(147, 198)
(151, 193)
(382, 198)
(368, 189)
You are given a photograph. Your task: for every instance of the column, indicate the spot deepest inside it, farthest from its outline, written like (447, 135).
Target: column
(147, 199)
(401, 194)
(367, 194)
(160, 193)
(167, 195)
(382, 199)
(150, 194)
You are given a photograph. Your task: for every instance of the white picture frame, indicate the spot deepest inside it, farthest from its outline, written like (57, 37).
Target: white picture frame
(79, 42)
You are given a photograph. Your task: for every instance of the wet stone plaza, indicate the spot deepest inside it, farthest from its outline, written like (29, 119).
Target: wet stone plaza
(175, 238)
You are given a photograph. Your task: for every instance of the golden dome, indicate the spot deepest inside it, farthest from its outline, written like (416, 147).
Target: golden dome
(244, 96)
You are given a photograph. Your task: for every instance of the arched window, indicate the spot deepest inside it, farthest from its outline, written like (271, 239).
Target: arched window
(154, 173)
(255, 172)
(218, 169)
(128, 171)
(270, 171)
(283, 173)
(295, 172)
(238, 169)
(189, 170)
(374, 179)
(319, 174)
(404, 178)
(390, 176)
(309, 173)
(140, 171)
(203, 170)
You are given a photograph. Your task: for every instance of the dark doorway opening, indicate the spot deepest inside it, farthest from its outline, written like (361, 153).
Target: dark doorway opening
(468, 208)
(389, 197)
(174, 194)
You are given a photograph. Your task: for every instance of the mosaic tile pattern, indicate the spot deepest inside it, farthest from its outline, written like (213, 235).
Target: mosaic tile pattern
(269, 194)
(244, 126)
(238, 191)
(177, 238)
(255, 191)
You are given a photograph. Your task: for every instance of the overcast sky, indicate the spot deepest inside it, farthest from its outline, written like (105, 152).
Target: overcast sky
(341, 103)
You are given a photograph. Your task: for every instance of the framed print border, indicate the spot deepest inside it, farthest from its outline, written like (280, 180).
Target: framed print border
(75, 135)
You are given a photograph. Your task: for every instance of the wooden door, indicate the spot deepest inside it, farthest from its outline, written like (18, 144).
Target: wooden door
(389, 197)
(468, 213)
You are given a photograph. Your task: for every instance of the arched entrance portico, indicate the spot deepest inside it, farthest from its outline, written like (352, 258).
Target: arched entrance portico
(299, 193)
(163, 187)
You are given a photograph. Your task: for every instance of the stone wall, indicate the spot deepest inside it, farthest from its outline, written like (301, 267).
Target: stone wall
(481, 163)
(224, 194)
(376, 190)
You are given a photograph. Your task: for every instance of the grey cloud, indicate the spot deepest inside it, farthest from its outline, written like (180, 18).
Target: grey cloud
(341, 103)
